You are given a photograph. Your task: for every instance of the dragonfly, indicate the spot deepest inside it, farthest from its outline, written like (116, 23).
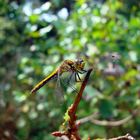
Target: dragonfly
(74, 67)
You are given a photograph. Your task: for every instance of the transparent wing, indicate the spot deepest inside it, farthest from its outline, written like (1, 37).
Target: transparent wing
(59, 96)
(68, 82)
(71, 81)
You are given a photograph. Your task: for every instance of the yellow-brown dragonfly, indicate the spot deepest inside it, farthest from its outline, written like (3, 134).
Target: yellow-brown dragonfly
(75, 67)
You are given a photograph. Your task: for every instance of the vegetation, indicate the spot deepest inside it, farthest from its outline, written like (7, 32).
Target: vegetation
(35, 38)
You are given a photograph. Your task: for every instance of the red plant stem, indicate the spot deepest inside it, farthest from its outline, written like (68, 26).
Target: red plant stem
(72, 133)
(72, 130)
(59, 134)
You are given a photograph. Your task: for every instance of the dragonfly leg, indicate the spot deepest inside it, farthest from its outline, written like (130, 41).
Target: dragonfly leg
(82, 71)
(77, 76)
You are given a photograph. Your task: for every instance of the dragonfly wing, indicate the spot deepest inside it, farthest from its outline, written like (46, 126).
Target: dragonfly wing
(58, 90)
(70, 78)
(59, 94)
(69, 81)
(63, 83)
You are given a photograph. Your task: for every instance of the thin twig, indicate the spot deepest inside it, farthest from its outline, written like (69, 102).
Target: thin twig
(125, 137)
(105, 122)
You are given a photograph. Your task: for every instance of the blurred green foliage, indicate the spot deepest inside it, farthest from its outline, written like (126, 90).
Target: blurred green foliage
(36, 36)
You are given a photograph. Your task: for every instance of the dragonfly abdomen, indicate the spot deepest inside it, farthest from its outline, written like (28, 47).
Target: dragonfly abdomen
(43, 82)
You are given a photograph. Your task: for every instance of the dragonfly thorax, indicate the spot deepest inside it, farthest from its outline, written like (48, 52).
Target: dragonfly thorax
(69, 65)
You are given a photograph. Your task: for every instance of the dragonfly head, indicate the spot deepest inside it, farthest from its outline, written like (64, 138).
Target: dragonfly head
(79, 64)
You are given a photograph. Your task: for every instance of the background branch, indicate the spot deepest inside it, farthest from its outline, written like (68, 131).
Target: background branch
(125, 137)
(92, 119)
